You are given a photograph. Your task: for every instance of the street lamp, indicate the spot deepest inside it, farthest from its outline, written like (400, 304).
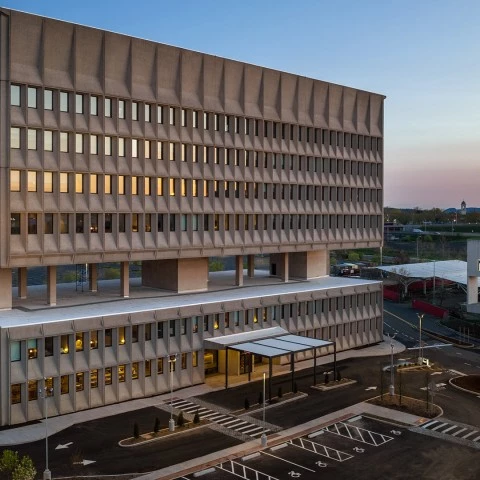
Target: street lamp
(264, 435)
(420, 349)
(171, 360)
(44, 394)
(392, 382)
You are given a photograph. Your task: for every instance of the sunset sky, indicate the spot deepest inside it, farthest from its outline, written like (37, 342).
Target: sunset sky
(424, 55)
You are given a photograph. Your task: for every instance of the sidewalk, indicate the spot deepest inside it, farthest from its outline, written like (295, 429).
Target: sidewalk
(36, 431)
(208, 461)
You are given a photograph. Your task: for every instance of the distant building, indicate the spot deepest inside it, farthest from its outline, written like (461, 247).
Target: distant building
(463, 208)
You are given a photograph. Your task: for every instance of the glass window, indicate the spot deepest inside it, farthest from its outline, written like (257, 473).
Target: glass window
(48, 223)
(160, 366)
(184, 117)
(93, 183)
(48, 346)
(64, 384)
(172, 151)
(134, 111)
(160, 330)
(108, 223)
(78, 103)
(64, 346)
(78, 143)
(64, 101)
(14, 180)
(121, 336)
(64, 226)
(148, 113)
(108, 337)
(148, 331)
(94, 144)
(15, 352)
(134, 148)
(171, 116)
(135, 370)
(108, 146)
(15, 95)
(121, 109)
(108, 107)
(32, 390)
(16, 393)
(121, 184)
(147, 149)
(108, 376)
(48, 100)
(32, 348)
(93, 339)
(48, 141)
(184, 361)
(79, 341)
(108, 184)
(14, 137)
(32, 139)
(63, 182)
(79, 183)
(32, 97)
(94, 378)
(159, 114)
(148, 368)
(159, 151)
(63, 141)
(32, 223)
(79, 381)
(93, 105)
(172, 328)
(32, 181)
(147, 182)
(121, 147)
(195, 359)
(94, 222)
(134, 333)
(121, 373)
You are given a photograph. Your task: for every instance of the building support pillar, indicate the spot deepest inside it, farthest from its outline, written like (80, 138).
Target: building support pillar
(251, 266)
(124, 280)
(52, 285)
(93, 277)
(6, 288)
(284, 269)
(226, 368)
(239, 270)
(22, 282)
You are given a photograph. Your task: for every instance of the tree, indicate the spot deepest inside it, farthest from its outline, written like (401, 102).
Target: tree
(339, 376)
(136, 430)
(247, 403)
(180, 419)
(196, 417)
(16, 467)
(280, 392)
(326, 378)
(353, 257)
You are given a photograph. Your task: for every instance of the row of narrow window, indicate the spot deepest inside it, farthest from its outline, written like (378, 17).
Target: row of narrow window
(93, 339)
(64, 383)
(82, 103)
(117, 146)
(107, 184)
(136, 222)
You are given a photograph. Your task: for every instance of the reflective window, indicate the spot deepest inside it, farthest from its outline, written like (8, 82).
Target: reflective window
(63, 182)
(78, 143)
(63, 141)
(48, 140)
(14, 180)
(64, 101)
(79, 341)
(15, 352)
(15, 95)
(94, 144)
(172, 116)
(32, 181)
(14, 137)
(108, 146)
(121, 373)
(32, 97)
(134, 111)
(108, 376)
(48, 100)
(48, 223)
(94, 378)
(93, 105)
(32, 390)
(79, 183)
(108, 107)
(78, 103)
(32, 139)
(121, 109)
(32, 348)
(16, 393)
(64, 226)
(64, 384)
(79, 381)
(48, 346)
(32, 223)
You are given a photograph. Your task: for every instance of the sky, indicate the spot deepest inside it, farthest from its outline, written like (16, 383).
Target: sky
(423, 55)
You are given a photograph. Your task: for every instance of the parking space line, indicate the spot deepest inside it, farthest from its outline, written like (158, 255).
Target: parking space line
(477, 438)
(459, 431)
(450, 428)
(288, 461)
(470, 434)
(349, 431)
(439, 426)
(320, 449)
(429, 424)
(236, 467)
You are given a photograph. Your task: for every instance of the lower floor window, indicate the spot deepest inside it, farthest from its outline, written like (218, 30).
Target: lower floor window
(16, 393)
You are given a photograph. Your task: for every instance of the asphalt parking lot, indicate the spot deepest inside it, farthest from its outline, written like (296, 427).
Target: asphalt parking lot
(360, 448)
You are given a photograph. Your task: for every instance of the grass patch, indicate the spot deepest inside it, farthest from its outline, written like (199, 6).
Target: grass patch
(404, 404)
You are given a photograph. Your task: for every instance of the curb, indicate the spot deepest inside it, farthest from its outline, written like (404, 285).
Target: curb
(450, 381)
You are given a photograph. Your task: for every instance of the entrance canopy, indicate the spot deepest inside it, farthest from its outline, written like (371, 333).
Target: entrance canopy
(268, 342)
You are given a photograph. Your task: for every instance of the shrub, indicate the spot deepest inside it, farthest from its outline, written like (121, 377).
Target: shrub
(326, 379)
(156, 426)
(196, 418)
(136, 430)
(260, 398)
(247, 404)
(279, 393)
(180, 419)
(339, 376)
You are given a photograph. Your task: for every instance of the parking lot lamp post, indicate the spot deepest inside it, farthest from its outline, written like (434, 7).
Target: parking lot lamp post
(420, 349)
(171, 363)
(392, 383)
(47, 474)
(264, 435)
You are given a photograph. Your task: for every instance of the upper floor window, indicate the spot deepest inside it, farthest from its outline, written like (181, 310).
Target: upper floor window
(78, 103)
(148, 113)
(15, 95)
(32, 97)
(48, 100)
(108, 107)
(93, 105)
(64, 101)
(14, 137)
(134, 111)
(121, 109)
(172, 116)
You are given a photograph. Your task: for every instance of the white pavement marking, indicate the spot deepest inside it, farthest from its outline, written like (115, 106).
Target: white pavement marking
(435, 373)
(352, 432)
(450, 428)
(469, 364)
(470, 434)
(439, 426)
(477, 438)
(288, 461)
(370, 388)
(320, 449)
(454, 434)
(60, 446)
(429, 424)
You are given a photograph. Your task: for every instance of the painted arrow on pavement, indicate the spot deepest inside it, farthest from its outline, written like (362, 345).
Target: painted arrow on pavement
(60, 446)
(370, 388)
(84, 462)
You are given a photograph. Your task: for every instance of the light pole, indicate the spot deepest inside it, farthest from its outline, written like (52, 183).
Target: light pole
(420, 349)
(264, 435)
(392, 382)
(47, 474)
(171, 361)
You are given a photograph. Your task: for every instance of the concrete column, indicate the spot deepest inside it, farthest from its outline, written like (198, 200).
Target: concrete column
(239, 270)
(52, 285)
(22, 282)
(313, 264)
(472, 290)
(124, 280)
(251, 266)
(6, 289)
(92, 277)
(285, 265)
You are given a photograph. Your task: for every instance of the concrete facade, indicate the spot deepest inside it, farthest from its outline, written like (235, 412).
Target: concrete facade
(118, 149)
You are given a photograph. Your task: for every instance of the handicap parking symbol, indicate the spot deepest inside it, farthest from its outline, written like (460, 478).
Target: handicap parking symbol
(358, 449)
(320, 464)
(294, 474)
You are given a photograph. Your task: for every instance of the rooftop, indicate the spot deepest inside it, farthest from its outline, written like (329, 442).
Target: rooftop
(74, 305)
